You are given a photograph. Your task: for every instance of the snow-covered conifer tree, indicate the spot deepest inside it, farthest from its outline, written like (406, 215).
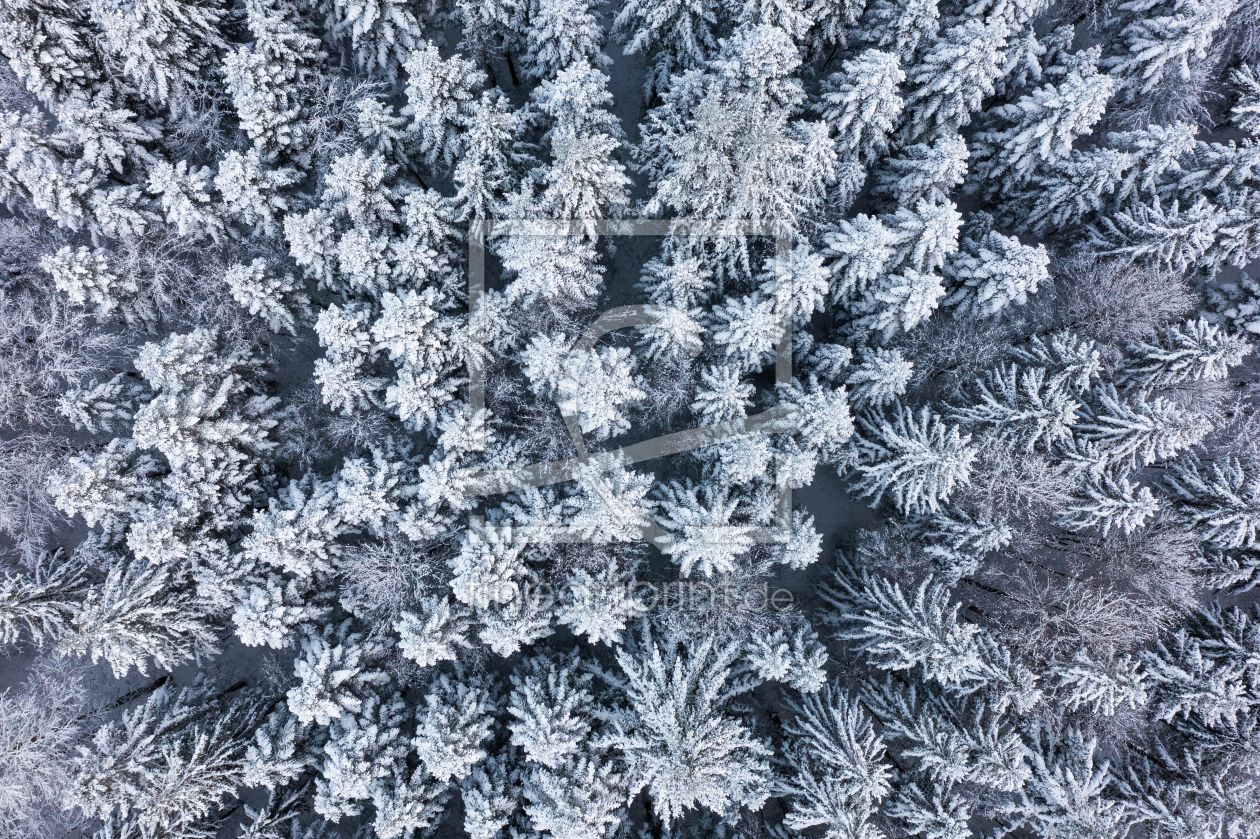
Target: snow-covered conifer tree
(297, 533)
(358, 187)
(162, 46)
(952, 740)
(839, 776)
(824, 423)
(1247, 105)
(896, 633)
(407, 801)
(797, 660)
(584, 799)
(826, 361)
(595, 387)
(702, 533)
(924, 236)
(611, 501)
(677, 736)
(1112, 502)
(805, 543)
(861, 251)
(380, 33)
(561, 271)
(673, 331)
(1042, 125)
(1103, 686)
(343, 331)
(798, 284)
(928, 809)
(791, 16)
(362, 750)
(509, 627)
(562, 33)
(723, 395)
(901, 302)
(677, 278)
(435, 634)
(267, 613)
(185, 196)
(1071, 360)
(684, 30)
(1067, 790)
(379, 126)
(578, 98)
(487, 568)
(274, 299)
(749, 329)
(451, 728)
(251, 190)
(953, 77)
(549, 704)
(424, 345)
(600, 605)
(1140, 429)
(137, 615)
(272, 79)
(924, 171)
(169, 762)
(49, 49)
(40, 605)
(1236, 304)
(1188, 680)
(108, 488)
(863, 104)
(1023, 407)
(333, 674)
(368, 492)
(88, 277)
(916, 460)
(1167, 235)
(1129, 165)
(880, 378)
(488, 169)
(109, 138)
(1191, 351)
(993, 273)
(725, 148)
(440, 96)
(104, 406)
(958, 542)
(491, 794)
(1165, 40)
(1221, 500)
(900, 26)
(584, 182)
(208, 420)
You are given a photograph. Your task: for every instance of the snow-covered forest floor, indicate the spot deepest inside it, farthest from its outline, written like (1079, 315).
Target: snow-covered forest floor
(923, 326)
